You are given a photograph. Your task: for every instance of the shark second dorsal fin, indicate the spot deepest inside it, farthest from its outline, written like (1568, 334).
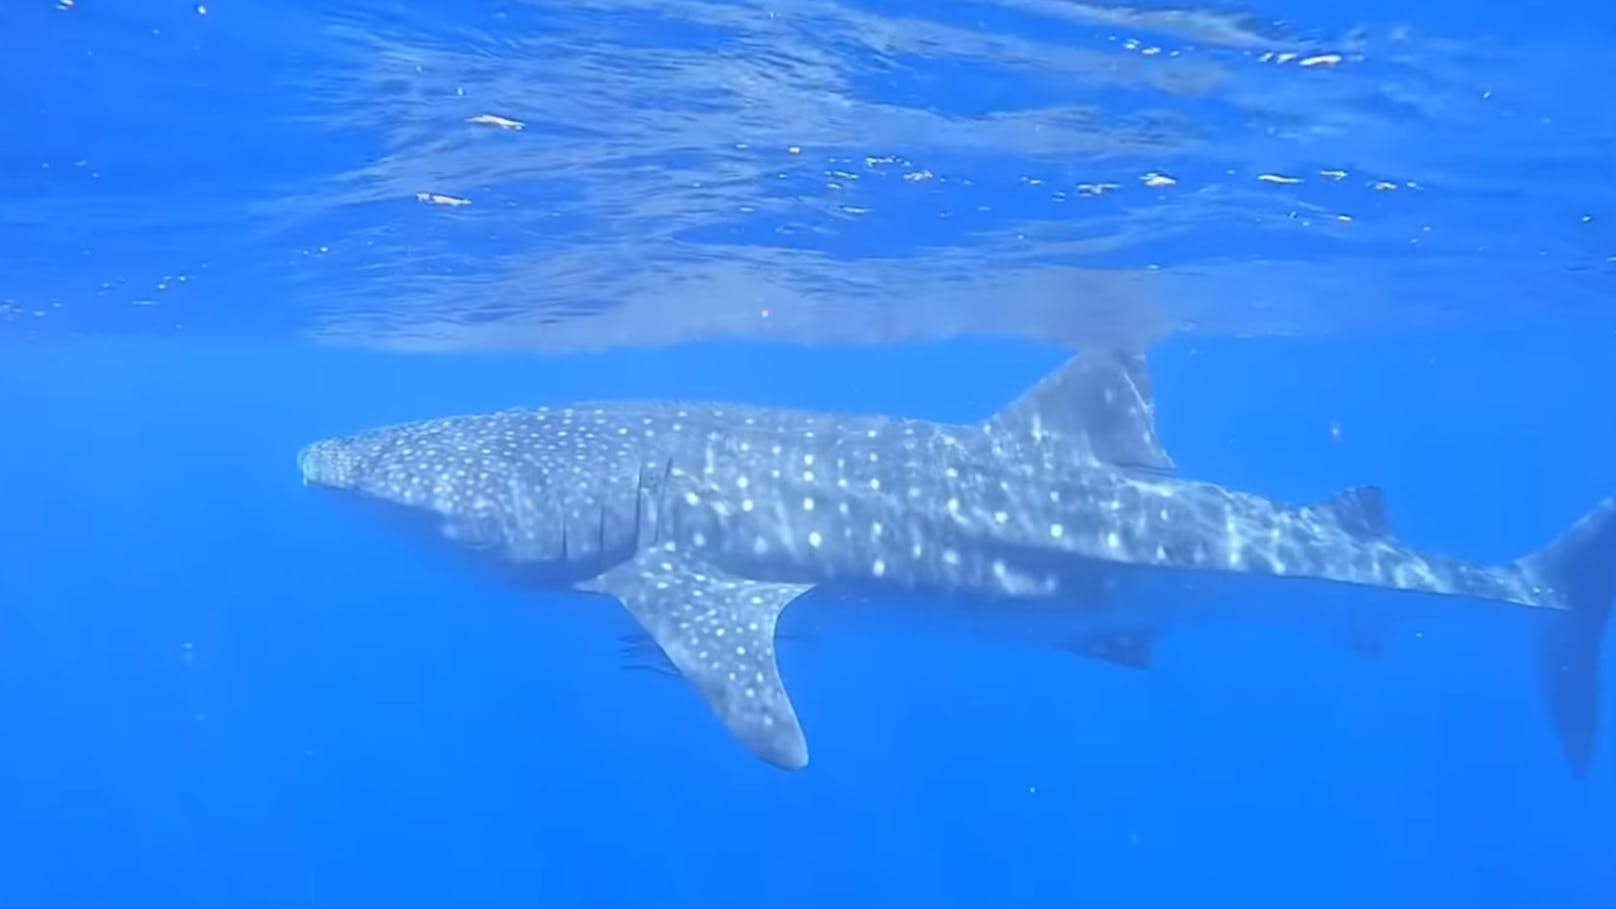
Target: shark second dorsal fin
(1100, 401)
(718, 631)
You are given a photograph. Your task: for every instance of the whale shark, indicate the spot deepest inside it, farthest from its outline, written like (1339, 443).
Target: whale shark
(1060, 515)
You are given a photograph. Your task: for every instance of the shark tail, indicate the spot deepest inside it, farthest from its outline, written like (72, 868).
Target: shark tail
(1581, 567)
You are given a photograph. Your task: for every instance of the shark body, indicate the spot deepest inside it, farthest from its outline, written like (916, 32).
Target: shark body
(706, 521)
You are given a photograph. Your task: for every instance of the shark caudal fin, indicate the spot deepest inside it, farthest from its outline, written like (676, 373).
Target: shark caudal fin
(1581, 567)
(1100, 402)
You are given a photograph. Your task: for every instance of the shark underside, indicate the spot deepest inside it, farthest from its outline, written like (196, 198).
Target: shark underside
(706, 521)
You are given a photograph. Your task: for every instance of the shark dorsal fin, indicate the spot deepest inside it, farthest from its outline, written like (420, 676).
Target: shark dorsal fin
(1100, 401)
(718, 632)
(1361, 510)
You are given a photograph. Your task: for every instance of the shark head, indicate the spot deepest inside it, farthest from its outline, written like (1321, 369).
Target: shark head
(333, 463)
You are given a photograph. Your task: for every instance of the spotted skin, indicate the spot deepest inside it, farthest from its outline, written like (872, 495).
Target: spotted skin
(706, 521)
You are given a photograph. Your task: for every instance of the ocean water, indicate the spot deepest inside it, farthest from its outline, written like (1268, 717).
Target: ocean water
(1362, 243)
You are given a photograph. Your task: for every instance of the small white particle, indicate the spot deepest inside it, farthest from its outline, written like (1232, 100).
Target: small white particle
(879, 568)
(808, 504)
(814, 539)
(1055, 530)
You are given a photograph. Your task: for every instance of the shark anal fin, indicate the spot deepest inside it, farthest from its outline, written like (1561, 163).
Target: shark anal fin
(1099, 401)
(1132, 648)
(718, 631)
(1361, 510)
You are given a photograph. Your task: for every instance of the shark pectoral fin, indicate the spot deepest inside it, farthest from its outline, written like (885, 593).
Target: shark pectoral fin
(1100, 400)
(640, 652)
(718, 631)
(1132, 648)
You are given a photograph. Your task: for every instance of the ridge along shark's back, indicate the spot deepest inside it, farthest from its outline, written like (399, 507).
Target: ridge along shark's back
(706, 520)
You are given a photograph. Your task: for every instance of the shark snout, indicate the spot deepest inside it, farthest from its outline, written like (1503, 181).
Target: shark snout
(326, 464)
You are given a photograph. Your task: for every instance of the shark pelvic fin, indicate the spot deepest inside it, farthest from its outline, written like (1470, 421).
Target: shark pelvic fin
(1100, 400)
(1368, 637)
(718, 631)
(1130, 648)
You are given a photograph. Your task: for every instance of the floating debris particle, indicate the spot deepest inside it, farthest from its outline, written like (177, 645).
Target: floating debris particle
(1343, 218)
(794, 150)
(1154, 179)
(916, 176)
(1320, 60)
(442, 199)
(496, 120)
(1333, 174)
(1278, 178)
(1383, 187)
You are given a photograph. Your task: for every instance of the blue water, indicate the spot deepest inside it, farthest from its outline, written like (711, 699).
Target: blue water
(219, 691)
